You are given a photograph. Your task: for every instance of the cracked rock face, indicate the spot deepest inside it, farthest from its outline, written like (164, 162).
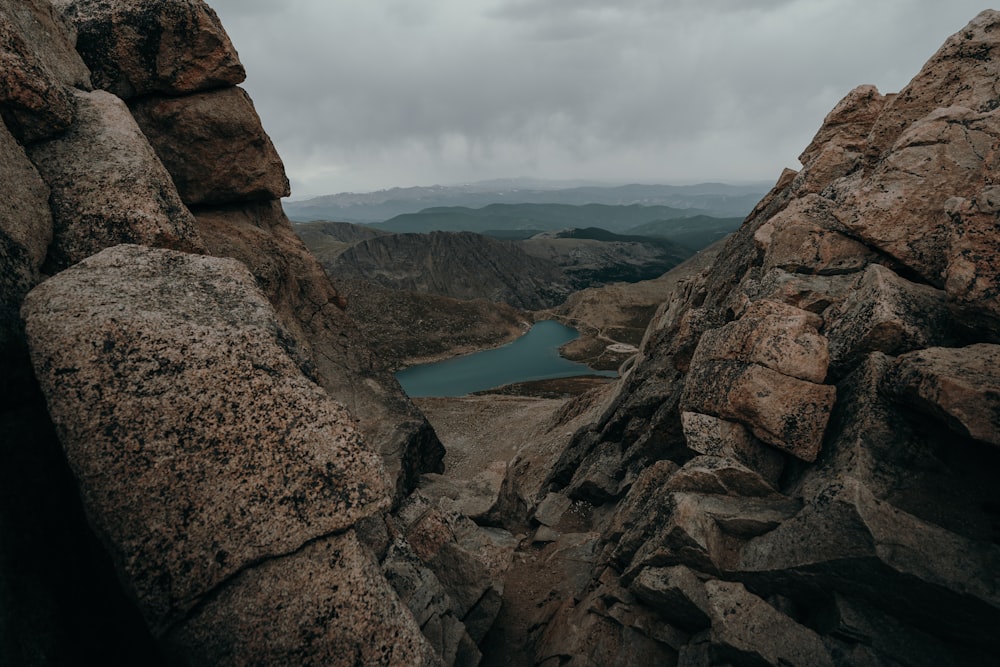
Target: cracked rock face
(200, 447)
(849, 328)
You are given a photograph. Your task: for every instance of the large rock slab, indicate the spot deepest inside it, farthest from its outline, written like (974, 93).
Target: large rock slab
(886, 313)
(845, 540)
(108, 186)
(147, 46)
(960, 386)
(899, 207)
(773, 334)
(213, 145)
(199, 446)
(783, 411)
(260, 236)
(327, 604)
(747, 630)
(38, 65)
(806, 238)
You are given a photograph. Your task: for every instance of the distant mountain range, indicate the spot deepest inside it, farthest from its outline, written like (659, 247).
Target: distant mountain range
(718, 200)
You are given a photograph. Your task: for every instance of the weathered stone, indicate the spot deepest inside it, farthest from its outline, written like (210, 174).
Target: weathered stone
(784, 412)
(804, 239)
(38, 65)
(719, 475)
(198, 444)
(888, 638)
(147, 46)
(972, 276)
(213, 145)
(25, 229)
(676, 593)
(958, 385)
(772, 334)
(841, 140)
(108, 186)
(474, 498)
(899, 207)
(717, 437)
(260, 236)
(552, 508)
(809, 292)
(577, 635)
(324, 604)
(962, 72)
(847, 541)
(885, 313)
(747, 629)
(423, 594)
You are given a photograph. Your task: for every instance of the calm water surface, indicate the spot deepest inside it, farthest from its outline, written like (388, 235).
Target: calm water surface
(533, 356)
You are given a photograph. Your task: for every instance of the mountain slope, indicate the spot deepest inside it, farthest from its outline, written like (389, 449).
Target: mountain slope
(460, 265)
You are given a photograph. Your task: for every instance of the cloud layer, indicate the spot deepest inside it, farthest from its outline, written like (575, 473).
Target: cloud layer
(365, 95)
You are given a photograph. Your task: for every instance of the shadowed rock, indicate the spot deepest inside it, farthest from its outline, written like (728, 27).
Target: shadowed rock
(213, 145)
(38, 66)
(148, 46)
(957, 385)
(25, 228)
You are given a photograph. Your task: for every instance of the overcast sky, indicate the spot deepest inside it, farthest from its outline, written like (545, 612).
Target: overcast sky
(361, 95)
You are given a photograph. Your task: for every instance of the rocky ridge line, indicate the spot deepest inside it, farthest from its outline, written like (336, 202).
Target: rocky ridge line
(799, 467)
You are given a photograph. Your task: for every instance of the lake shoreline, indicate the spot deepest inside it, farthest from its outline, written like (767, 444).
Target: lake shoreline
(534, 356)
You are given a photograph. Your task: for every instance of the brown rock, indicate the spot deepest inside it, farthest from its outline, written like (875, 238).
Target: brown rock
(809, 292)
(25, 228)
(325, 604)
(962, 72)
(847, 541)
(972, 276)
(108, 186)
(38, 65)
(260, 236)
(198, 445)
(885, 313)
(784, 412)
(213, 145)
(719, 475)
(841, 140)
(960, 386)
(674, 592)
(899, 207)
(804, 238)
(717, 437)
(147, 46)
(745, 629)
(772, 334)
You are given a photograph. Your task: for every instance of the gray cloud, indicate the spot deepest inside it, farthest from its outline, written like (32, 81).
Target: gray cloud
(360, 96)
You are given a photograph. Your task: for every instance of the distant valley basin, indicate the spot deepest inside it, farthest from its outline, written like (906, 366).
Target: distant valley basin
(533, 356)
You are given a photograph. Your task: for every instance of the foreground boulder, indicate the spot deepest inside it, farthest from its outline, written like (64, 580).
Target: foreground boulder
(201, 448)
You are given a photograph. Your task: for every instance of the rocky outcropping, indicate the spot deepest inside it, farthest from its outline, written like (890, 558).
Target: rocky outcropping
(205, 479)
(798, 468)
(220, 478)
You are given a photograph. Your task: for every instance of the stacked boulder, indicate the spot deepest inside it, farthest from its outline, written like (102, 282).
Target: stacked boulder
(229, 438)
(800, 468)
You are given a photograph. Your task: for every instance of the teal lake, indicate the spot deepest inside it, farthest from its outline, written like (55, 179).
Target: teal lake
(533, 356)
